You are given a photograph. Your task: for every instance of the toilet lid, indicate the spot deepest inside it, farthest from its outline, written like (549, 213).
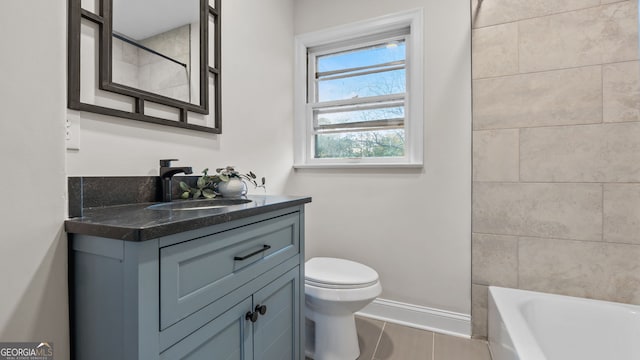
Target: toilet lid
(341, 272)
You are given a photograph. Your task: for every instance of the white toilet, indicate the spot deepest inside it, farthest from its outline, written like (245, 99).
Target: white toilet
(334, 290)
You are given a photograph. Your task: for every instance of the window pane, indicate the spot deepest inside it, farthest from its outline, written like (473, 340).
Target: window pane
(325, 118)
(373, 55)
(379, 143)
(383, 83)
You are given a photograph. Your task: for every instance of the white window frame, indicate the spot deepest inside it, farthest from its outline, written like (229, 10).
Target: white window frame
(414, 118)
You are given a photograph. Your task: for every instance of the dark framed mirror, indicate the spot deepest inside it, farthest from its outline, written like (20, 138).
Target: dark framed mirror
(162, 56)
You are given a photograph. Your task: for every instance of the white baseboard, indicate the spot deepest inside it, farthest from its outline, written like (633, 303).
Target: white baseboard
(421, 317)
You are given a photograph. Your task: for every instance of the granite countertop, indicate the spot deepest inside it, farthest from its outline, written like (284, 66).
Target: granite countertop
(134, 222)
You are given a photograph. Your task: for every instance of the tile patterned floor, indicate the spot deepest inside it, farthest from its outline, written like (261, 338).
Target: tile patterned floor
(381, 340)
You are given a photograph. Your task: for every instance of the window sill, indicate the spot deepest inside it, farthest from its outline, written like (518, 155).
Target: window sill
(359, 166)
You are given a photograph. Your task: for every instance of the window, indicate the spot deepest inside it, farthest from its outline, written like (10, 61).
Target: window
(354, 94)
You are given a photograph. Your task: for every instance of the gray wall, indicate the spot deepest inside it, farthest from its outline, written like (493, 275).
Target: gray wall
(556, 149)
(256, 111)
(33, 251)
(412, 226)
(33, 256)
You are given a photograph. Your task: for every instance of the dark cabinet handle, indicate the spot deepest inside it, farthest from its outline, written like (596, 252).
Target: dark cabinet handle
(262, 309)
(253, 316)
(264, 248)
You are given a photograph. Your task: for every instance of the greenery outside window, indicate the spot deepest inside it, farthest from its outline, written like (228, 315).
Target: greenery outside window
(358, 85)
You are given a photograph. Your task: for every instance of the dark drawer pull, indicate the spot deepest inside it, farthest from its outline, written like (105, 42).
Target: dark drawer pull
(264, 248)
(261, 309)
(251, 316)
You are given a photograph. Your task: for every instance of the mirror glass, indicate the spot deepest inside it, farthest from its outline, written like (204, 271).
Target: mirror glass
(156, 47)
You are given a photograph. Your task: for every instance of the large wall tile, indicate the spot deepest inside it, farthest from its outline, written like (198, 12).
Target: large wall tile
(621, 92)
(579, 268)
(561, 97)
(568, 211)
(495, 51)
(588, 153)
(495, 155)
(556, 149)
(479, 310)
(622, 213)
(495, 260)
(610, 1)
(493, 12)
(604, 34)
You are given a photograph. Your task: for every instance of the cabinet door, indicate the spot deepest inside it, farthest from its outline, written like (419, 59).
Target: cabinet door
(275, 334)
(227, 337)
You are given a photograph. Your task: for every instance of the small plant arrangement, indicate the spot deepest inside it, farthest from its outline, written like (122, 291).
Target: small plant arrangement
(206, 185)
(229, 172)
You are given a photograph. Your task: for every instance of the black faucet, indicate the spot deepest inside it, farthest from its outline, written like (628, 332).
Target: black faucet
(166, 173)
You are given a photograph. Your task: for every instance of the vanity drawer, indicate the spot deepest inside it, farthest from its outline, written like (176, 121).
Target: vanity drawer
(196, 273)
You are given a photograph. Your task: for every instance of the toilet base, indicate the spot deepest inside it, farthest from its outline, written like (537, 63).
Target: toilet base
(335, 337)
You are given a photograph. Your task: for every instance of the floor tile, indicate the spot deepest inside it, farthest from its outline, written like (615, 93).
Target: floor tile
(368, 334)
(404, 343)
(454, 348)
(386, 341)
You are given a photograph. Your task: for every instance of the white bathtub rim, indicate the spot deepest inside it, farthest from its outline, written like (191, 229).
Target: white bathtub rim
(522, 339)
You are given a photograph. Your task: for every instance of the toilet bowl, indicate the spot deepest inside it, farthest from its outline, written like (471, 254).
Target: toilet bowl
(334, 290)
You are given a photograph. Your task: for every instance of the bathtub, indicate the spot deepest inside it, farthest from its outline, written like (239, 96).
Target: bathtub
(527, 325)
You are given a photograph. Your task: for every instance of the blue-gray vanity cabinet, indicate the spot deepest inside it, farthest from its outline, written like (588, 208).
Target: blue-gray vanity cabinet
(197, 272)
(188, 295)
(276, 332)
(227, 337)
(232, 335)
